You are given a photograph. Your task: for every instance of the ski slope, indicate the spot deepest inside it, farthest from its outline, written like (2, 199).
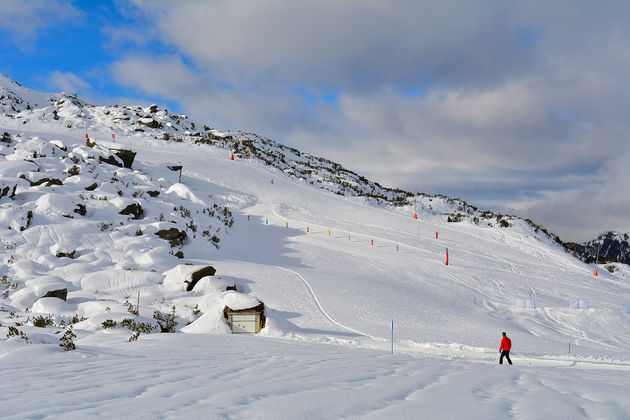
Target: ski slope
(334, 272)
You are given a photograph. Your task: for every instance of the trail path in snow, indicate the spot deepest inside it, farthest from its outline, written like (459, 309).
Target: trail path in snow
(321, 308)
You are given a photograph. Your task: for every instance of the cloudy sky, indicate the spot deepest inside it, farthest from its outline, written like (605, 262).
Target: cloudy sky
(514, 105)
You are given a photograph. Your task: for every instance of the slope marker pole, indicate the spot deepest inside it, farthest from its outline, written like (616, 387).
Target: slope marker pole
(392, 336)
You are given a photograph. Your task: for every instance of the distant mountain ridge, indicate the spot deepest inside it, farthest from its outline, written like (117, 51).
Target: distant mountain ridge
(608, 247)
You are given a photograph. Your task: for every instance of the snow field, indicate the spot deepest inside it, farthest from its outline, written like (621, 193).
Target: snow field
(330, 300)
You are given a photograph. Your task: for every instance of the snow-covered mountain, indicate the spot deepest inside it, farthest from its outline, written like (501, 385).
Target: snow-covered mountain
(62, 110)
(105, 237)
(609, 246)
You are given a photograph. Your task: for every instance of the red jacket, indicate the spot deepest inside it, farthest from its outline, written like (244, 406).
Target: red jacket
(506, 344)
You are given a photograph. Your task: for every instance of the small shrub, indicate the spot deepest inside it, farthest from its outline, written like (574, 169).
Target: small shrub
(8, 282)
(109, 323)
(130, 307)
(611, 268)
(137, 327)
(67, 342)
(104, 226)
(43, 321)
(14, 332)
(76, 319)
(167, 322)
(504, 223)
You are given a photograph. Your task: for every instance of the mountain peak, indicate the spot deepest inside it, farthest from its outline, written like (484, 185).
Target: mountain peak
(6, 80)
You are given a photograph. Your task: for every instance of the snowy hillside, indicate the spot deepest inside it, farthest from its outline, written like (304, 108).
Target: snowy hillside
(334, 257)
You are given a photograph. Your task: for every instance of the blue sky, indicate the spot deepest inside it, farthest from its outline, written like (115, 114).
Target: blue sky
(516, 105)
(80, 44)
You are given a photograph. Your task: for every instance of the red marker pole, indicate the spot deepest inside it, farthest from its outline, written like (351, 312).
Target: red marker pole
(371, 241)
(436, 235)
(446, 256)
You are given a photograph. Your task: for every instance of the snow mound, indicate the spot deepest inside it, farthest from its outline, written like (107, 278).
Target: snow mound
(211, 284)
(184, 193)
(176, 278)
(118, 279)
(53, 306)
(209, 323)
(237, 301)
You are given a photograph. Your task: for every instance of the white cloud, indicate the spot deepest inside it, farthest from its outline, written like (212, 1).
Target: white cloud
(515, 101)
(66, 82)
(21, 20)
(590, 208)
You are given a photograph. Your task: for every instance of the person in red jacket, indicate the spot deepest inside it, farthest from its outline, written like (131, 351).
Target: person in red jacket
(506, 345)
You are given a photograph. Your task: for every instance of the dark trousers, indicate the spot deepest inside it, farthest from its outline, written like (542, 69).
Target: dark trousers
(506, 354)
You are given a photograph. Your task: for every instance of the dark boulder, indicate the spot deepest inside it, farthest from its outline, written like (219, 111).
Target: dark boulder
(134, 210)
(8, 191)
(80, 209)
(198, 275)
(59, 294)
(71, 255)
(110, 160)
(127, 156)
(173, 235)
(150, 124)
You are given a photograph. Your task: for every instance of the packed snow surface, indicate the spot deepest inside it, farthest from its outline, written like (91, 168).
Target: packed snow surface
(345, 281)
